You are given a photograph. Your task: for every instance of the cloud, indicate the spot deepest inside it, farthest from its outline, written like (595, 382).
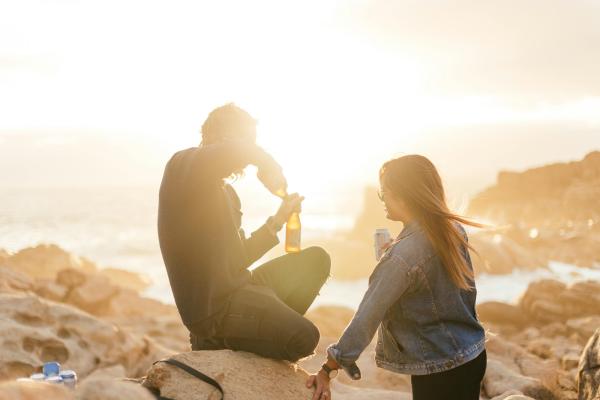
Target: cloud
(538, 49)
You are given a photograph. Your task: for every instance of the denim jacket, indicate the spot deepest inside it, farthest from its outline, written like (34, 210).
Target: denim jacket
(425, 323)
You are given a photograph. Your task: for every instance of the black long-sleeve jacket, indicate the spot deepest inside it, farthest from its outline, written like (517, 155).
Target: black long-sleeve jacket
(199, 227)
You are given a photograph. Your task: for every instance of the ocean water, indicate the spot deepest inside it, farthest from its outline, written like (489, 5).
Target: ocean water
(117, 227)
(505, 288)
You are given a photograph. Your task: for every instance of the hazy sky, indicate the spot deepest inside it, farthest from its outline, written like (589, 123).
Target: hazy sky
(104, 92)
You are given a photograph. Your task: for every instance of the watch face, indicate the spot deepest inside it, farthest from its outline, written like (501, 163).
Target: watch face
(333, 373)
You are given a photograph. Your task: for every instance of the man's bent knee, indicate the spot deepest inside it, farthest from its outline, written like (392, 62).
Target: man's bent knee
(304, 342)
(320, 260)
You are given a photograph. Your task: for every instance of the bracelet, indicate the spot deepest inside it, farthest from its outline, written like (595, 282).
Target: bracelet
(331, 372)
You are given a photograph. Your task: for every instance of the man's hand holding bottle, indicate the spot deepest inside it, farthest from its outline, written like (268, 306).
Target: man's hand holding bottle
(271, 175)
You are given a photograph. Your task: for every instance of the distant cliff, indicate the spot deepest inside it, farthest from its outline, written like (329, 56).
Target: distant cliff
(562, 194)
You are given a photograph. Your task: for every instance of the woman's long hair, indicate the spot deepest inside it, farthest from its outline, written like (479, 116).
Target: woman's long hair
(415, 180)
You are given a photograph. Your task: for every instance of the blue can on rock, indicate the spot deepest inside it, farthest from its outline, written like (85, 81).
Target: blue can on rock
(51, 369)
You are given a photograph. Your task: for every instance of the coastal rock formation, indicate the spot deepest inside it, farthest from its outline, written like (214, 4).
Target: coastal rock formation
(45, 260)
(552, 194)
(533, 347)
(498, 254)
(500, 379)
(552, 211)
(550, 300)
(34, 331)
(544, 214)
(499, 313)
(589, 370)
(96, 291)
(242, 376)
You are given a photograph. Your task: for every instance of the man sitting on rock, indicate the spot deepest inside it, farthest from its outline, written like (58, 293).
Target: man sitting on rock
(207, 255)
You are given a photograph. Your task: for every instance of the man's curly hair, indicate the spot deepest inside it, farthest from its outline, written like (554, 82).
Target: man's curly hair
(228, 122)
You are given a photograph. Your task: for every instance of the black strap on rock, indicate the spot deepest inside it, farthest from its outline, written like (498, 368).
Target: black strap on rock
(193, 372)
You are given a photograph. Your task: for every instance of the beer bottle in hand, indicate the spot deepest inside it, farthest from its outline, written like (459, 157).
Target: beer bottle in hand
(293, 229)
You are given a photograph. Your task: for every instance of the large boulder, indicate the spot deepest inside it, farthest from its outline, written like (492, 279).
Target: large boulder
(96, 292)
(34, 331)
(589, 370)
(498, 254)
(584, 327)
(499, 379)
(126, 279)
(111, 389)
(45, 260)
(245, 376)
(94, 295)
(501, 313)
(549, 300)
(242, 375)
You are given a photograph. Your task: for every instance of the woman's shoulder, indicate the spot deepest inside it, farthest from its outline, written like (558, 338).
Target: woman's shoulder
(414, 248)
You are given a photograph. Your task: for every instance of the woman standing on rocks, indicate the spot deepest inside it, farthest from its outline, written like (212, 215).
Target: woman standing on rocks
(421, 295)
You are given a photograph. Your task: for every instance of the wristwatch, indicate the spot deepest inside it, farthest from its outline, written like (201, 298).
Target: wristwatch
(331, 373)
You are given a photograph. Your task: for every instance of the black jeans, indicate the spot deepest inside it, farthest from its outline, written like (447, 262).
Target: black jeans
(460, 383)
(265, 317)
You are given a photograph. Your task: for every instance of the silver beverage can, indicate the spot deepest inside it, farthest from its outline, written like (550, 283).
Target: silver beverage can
(55, 379)
(69, 378)
(382, 237)
(38, 377)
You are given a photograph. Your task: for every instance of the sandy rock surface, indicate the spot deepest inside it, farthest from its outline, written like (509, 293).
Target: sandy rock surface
(11, 390)
(243, 376)
(111, 389)
(34, 331)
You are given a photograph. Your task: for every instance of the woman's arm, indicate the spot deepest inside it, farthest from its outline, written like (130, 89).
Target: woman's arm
(388, 282)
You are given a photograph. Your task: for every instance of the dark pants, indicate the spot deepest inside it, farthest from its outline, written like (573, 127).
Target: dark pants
(460, 383)
(265, 317)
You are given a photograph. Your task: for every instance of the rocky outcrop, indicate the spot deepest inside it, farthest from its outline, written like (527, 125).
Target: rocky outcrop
(552, 211)
(552, 194)
(44, 261)
(242, 376)
(589, 370)
(544, 214)
(105, 293)
(552, 301)
(34, 331)
(499, 313)
(544, 335)
(533, 347)
(498, 254)
(500, 379)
